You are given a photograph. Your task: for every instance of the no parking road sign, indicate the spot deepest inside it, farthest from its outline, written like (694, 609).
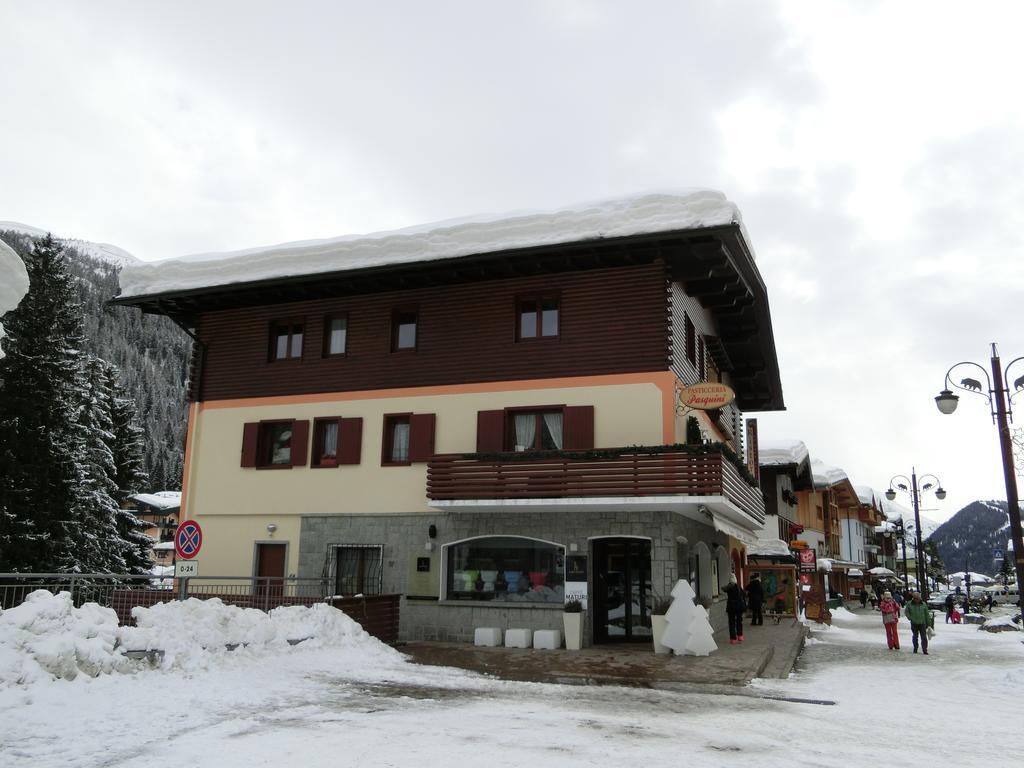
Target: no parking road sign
(188, 538)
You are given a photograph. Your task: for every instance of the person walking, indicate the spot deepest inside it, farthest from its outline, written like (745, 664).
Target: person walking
(734, 608)
(950, 606)
(890, 616)
(988, 601)
(863, 598)
(755, 599)
(920, 618)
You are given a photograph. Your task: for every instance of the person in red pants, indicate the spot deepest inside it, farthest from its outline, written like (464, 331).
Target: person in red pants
(890, 616)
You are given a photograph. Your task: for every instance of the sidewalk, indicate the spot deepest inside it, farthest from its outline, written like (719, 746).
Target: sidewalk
(767, 651)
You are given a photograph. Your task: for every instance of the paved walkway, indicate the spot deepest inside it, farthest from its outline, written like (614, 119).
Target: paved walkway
(767, 651)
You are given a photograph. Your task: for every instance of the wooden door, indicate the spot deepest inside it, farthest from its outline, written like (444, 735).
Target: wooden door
(270, 564)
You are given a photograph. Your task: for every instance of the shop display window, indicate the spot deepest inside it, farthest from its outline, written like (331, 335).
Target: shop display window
(506, 569)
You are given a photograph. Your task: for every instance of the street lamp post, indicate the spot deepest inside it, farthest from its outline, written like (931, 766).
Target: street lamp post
(1001, 406)
(915, 491)
(901, 534)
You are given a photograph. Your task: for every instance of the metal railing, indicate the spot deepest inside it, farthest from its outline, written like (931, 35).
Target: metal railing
(122, 592)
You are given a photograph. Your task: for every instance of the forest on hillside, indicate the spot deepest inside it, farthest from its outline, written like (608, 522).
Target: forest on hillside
(151, 354)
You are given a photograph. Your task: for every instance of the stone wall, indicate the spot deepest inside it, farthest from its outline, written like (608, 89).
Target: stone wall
(405, 537)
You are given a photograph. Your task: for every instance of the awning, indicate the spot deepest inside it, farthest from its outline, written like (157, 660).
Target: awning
(855, 572)
(724, 526)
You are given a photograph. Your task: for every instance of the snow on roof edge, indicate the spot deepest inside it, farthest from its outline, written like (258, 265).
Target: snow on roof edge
(620, 217)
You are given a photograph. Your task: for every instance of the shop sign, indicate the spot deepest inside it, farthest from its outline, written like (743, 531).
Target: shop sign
(808, 561)
(706, 396)
(798, 544)
(576, 579)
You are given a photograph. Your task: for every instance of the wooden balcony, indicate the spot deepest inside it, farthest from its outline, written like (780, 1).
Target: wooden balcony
(625, 474)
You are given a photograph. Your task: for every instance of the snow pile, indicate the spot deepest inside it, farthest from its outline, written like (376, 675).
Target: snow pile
(1000, 624)
(47, 637)
(13, 282)
(641, 214)
(194, 633)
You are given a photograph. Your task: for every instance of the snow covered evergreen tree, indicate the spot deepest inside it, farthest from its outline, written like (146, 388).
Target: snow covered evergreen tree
(100, 547)
(41, 525)
(129, 474)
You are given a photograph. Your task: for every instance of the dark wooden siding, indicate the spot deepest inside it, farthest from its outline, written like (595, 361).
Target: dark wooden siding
(612, 320)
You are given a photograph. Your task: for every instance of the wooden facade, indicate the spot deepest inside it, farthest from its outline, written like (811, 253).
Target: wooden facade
(611, 321)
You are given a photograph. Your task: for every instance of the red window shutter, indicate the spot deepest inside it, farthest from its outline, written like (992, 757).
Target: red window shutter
(250, 441)
(578, 428)
(350, 440)
(421, 436)
(300, 443)
(490, 431)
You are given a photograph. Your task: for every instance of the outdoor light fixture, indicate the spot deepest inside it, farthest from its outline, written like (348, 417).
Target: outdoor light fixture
(914, 490)
(271, 528)
(1000, 403)
(946, 401)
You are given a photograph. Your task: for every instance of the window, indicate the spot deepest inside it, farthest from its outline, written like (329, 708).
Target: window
(275, 444)
(537, 317)
(396, 439)
(325, 442)
(702, 360)
(335, 335)
(358, 569)
(286, 340)
(403, 329)
(337, 441)
(535, 430)
(506, 569)
(408, 437)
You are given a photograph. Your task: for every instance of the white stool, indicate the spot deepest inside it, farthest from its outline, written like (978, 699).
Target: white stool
(489, 637)
(547, 639)
(518, 638)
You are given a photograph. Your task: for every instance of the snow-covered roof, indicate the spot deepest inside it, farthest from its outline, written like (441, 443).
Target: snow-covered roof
(781, 453)
(160, 499)
(975, 577)
(870, 496)
(164, 546)
(826, 475)
(490, 233)
(770, 548)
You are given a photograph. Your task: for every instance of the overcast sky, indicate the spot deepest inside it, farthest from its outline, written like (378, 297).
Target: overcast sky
(875, 149)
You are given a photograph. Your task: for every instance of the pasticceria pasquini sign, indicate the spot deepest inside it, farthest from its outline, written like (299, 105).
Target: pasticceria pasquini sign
(706, 396)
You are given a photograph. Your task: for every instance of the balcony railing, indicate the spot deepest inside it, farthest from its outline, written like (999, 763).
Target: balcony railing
(456, 477)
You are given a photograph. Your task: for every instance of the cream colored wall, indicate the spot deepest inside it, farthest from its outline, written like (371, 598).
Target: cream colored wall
(229, 542)
(624, 414)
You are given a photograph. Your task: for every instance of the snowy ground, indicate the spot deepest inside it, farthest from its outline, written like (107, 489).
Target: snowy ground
(335, 707)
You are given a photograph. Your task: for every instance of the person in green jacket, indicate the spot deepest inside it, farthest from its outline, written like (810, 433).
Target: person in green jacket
(920, 618)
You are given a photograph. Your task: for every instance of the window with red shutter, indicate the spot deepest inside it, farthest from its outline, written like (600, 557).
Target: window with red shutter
(579, 427)
(421, 436)
(250, 443)
(350, 441)
(300, 443)
(490, 431)
(326, 434)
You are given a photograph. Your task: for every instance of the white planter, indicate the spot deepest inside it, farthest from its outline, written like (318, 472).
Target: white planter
(658, 625)
(573, 623)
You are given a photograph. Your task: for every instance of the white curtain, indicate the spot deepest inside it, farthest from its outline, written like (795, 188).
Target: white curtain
(330, 444)
(553, 421)
(400, 443)
(526, 430)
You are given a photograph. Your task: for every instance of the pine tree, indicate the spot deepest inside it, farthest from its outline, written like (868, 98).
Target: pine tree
(41, 523)
(129, 475)
(102, 548)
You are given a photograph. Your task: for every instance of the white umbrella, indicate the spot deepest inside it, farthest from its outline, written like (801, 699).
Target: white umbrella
(878, 570)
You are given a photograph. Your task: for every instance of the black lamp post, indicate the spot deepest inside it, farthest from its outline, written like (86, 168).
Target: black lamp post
(915, 491)
(1000, 404)
(901, 533)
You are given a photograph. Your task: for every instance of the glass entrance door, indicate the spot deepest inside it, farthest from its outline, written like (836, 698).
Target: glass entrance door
(622, 586)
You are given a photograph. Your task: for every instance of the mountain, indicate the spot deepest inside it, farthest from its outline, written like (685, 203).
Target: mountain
(967, 540)
(105, 252)
(151, 352)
